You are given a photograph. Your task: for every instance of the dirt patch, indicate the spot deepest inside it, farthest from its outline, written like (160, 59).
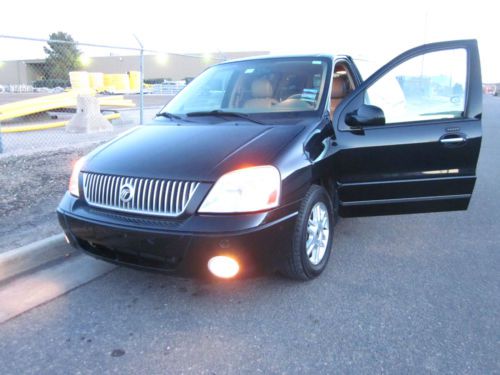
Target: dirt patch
(31, 187)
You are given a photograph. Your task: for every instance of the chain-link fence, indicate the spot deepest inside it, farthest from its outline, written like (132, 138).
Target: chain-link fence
(44, 84)
(41, 80)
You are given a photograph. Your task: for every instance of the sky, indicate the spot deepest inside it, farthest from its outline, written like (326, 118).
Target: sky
(377, 30)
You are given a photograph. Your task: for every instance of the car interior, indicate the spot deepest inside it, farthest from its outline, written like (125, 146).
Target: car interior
(291, 90)
(280, 89)
(261, 95)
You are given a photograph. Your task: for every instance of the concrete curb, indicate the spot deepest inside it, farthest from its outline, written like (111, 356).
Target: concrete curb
(33, 289)
(17, 261)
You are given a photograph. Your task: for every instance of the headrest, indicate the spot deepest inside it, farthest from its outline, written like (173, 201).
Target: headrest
(262, 88)
(340, 86)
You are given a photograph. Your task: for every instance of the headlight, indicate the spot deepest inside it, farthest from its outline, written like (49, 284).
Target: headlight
(73, 181)
(244, 190)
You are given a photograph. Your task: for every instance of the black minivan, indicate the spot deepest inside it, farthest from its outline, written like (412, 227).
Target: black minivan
(252, 164)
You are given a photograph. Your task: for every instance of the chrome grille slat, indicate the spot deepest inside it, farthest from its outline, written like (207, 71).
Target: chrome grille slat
(89, 183)
(154, 195)
(94, 186)
(139, 207)
(167, 193)
(172, 196)
(185, 191)
(179, 192)
(134, 205)
(108, 187)
(120, 203)
(99, 188)
(105, 189)
(117, 189)
(143, 191)
(149, 194)
(124, 205)
(104, 179)
(158, 197)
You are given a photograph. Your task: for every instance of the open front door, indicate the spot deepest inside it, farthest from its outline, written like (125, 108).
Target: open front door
(410, 134)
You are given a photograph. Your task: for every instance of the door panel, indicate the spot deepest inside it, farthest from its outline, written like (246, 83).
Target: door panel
(424, 157)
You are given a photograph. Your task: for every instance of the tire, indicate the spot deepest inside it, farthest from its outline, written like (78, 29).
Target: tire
(300, 263)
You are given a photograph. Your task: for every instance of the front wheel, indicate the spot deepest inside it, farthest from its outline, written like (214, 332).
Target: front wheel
(312, 240)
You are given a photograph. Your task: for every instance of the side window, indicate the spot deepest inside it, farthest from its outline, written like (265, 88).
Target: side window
(426, 87)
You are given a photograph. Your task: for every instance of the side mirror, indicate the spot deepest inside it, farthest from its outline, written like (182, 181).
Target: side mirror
(366, 115)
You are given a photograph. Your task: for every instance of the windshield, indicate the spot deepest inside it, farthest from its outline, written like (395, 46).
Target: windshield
(255, 86)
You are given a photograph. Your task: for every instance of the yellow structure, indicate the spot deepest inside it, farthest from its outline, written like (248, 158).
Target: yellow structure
(51, 102)
(117, 83)
(135, 81)
(79, 81)
(82, 83)
(96, 81)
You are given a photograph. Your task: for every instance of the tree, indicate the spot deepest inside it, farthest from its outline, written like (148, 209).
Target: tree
(62, 58)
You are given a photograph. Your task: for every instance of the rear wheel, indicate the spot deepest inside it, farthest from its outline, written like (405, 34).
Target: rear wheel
(312, 241)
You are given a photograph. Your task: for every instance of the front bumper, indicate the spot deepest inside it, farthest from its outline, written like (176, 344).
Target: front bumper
(258, 241)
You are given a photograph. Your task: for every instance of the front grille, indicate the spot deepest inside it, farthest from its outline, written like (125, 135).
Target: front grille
(148, 196)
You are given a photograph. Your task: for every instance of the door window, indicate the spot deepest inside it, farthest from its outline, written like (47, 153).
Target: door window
(427, 87)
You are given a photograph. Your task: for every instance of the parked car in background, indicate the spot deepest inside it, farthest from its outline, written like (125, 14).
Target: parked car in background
(252, 164)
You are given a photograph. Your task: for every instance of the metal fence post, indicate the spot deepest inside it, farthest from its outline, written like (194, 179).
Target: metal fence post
(141, 94)
(72, 71)
(141, 90)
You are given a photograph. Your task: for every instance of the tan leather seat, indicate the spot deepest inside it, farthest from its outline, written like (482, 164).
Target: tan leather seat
(262, 95)
(340, 89)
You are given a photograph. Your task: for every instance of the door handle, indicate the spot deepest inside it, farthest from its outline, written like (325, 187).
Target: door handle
(452, 140)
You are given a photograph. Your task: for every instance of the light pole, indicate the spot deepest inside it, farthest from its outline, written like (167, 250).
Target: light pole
(141, 89)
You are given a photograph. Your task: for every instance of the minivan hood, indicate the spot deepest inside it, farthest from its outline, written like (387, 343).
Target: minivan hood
(190, 152)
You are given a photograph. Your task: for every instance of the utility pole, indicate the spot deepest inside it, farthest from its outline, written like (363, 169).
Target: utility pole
(141, 91)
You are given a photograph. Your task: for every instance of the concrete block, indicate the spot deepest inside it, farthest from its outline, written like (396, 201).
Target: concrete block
(88, 117)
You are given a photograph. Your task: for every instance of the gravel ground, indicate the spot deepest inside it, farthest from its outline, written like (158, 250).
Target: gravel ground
(35, 169)
(31, 187)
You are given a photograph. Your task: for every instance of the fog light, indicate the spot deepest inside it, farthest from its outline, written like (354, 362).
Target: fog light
(223, 266)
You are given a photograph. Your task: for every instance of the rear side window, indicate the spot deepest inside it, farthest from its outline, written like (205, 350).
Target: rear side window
(426, 87)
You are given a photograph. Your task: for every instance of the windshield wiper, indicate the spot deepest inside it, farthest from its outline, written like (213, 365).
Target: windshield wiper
(169, 115)
(220, 113)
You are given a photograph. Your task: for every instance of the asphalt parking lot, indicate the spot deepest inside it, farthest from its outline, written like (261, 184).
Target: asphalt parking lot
(402, 294)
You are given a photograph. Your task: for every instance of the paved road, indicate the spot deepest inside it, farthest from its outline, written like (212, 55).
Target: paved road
(403, 294)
